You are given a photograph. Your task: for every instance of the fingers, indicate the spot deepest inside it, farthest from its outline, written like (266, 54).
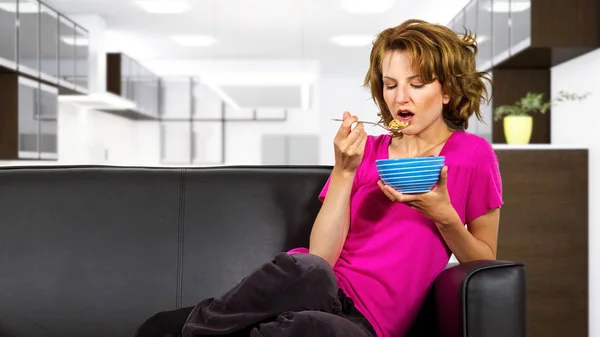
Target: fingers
(443, 177)
(346, 126)
(359, 145)
(396, 196)
(442, 181)
(385, 191)
(355, 137)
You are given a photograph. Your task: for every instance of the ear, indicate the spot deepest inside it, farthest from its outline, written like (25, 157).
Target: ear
(446, 98)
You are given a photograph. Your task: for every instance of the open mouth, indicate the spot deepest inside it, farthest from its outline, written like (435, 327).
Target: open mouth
(405, 115)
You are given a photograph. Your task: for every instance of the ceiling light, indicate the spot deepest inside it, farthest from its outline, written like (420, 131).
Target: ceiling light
(24, 7)
(164, 6)
(353, 40)
(367, 6)
(79, 41)
(505, 6)
(194, 40)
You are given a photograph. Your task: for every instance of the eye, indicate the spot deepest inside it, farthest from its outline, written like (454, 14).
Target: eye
(390, 87)
(417, 86)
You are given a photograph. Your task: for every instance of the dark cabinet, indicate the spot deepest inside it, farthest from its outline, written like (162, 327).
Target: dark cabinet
(8, 34)
(28, 119)
(530, 33)
(128, 79)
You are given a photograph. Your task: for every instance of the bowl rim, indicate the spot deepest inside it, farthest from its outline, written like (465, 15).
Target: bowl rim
(416, 177)
(385, 167)
(411, 169)
(412, 158)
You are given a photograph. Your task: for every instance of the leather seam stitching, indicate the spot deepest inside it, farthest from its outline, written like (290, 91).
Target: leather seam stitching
(180, 241)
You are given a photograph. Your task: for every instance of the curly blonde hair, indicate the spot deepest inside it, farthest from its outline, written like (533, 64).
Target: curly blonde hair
(439, 54)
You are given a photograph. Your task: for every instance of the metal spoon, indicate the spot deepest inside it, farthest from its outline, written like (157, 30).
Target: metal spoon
(373, 123)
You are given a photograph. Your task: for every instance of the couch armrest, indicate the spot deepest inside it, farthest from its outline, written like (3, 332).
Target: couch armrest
(481, 299)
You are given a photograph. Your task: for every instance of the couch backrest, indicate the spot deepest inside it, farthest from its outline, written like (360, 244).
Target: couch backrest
(94, 251)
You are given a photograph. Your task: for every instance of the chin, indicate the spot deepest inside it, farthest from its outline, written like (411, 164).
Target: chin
(411, 130)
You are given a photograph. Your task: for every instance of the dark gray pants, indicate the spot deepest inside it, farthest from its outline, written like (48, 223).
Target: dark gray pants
(292, 295)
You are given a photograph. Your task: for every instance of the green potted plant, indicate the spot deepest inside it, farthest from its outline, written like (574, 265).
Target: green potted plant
(518, 120)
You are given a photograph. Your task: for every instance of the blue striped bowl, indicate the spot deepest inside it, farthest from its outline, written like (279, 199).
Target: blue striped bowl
(411, 175)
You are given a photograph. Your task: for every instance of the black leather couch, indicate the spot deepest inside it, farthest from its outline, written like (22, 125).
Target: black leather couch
(94, 251)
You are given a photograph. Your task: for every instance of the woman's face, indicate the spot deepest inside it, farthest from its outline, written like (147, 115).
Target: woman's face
(407, 98)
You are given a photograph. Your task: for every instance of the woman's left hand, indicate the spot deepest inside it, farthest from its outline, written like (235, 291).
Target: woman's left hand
(434, 204)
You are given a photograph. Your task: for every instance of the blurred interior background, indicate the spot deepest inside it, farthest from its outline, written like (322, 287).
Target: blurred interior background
(197, 82)
(239, 82)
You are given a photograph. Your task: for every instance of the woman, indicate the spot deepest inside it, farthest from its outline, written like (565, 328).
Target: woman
(374, 253)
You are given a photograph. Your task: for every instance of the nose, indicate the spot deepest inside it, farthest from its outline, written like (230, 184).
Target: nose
(402, 95)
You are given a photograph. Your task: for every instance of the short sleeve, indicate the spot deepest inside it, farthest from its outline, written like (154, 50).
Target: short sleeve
(324, 190)
(485, 188)
(369, 153)
(326, 187)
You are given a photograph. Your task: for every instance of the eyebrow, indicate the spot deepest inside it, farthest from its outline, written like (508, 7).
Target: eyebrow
(408, 78)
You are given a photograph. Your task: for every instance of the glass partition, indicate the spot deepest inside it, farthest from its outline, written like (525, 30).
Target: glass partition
(48, 113)
(471, 17)
(153, 93)
(81, 58)
(134, 75)
(147, 98)
(125, 73)
(66, 48)
(48, 44)
(484, 35)
(28, 122)
(29, 18)
(458, 24)
(8, 34)
(501, 29)
(176, 99)
(520, 30)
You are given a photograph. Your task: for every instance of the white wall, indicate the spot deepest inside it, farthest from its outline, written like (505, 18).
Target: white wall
(577, 124)
(88, 137)
(338, 94)
(243, 139)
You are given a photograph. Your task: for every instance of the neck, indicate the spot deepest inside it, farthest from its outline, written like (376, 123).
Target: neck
(429, 140)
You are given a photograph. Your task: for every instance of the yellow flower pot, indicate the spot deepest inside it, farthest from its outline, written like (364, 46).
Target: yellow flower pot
(517, 129)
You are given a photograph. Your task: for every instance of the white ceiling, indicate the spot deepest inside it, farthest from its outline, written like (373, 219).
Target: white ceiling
(254, 29)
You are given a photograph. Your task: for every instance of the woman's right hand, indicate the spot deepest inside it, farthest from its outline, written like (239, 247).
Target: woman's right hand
(349, 145)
